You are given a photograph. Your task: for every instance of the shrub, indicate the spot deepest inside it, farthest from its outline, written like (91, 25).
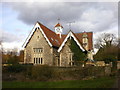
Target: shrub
(15, 68)
(48, 73)
(13, 60)
(42, 73)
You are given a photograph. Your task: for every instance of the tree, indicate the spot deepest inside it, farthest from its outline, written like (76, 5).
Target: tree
(78, 54)
(105, 40)
(21, 56)
(108, 50)
(118, 49)
(13, 60)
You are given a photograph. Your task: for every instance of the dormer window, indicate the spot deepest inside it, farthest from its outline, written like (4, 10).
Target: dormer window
(52, 39)
(56, 40)
(85, 41)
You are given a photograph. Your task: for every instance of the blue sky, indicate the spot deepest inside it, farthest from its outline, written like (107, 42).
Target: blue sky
(10, 23)
(13, 30)
(18, 18)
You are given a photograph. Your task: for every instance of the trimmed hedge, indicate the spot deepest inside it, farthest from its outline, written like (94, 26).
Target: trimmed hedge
(50, 73)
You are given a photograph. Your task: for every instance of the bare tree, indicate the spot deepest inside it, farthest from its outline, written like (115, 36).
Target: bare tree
(108, 49)
(105, 39)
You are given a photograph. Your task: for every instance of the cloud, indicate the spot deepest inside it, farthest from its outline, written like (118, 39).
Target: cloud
(9, 37)
(11, 45)
(11, 41)
(92, 16)
(88, 16)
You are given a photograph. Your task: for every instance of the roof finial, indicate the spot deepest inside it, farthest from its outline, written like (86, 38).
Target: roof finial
(70, 23)
(58, 20)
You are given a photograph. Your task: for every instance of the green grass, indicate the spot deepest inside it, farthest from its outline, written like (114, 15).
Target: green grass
(104, 82)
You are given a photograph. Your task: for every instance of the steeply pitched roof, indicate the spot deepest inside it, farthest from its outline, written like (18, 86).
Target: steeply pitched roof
(52, 36)
(90, 37)
(71, 34)
(53, 39)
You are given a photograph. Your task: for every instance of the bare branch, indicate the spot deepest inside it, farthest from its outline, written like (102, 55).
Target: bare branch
(105, 39)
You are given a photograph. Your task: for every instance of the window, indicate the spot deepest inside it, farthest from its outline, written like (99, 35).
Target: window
(85, 40)
(70, 59)
(56, 40)
(41, 60)
(52, 39)
(38, 60)
(34, 60)
(38, 50)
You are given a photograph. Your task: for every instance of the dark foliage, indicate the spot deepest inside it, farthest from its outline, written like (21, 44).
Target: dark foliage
(107, 54)
(13, 60)
(78, 54)
(15, 68)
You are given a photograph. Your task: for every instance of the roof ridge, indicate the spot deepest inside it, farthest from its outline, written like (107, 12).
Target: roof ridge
(78, 39)
(45, 26)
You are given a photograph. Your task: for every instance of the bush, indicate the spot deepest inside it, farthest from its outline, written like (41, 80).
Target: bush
(13, 60)
(15, 68)
(42, 73)
(48, 73)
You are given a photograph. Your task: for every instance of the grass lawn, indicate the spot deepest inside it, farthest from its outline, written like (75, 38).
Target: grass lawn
(104, 82)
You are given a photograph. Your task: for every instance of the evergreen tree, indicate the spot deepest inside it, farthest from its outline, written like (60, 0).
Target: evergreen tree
(78, 54)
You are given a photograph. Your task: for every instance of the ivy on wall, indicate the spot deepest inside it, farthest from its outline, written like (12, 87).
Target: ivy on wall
(78, 54)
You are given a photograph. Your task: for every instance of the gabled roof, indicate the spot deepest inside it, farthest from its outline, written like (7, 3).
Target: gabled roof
(53, 39)
(71, 34)
(37, 25)
(79, 36)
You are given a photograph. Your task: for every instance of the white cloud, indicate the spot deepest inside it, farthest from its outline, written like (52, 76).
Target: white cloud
(9, 37)
(96, 17)
(12, 45)
(11, 41)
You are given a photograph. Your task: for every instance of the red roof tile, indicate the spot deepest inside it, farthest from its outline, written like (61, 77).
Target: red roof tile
(79, 37)
(52, 36)
(57, 41)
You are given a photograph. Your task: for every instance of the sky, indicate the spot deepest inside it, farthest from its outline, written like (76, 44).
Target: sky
(18, 19)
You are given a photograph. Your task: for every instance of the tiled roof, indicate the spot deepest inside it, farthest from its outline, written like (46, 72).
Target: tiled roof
(58, 25)
(52, 36)
(79, 37)
(56, 41)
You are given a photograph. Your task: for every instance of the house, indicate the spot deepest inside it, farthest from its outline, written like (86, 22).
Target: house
(44, 46)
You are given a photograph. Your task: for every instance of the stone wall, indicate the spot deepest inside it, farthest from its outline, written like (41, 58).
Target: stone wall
(56, 57)
(38, 41)
(64, 55)
(100, 63)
